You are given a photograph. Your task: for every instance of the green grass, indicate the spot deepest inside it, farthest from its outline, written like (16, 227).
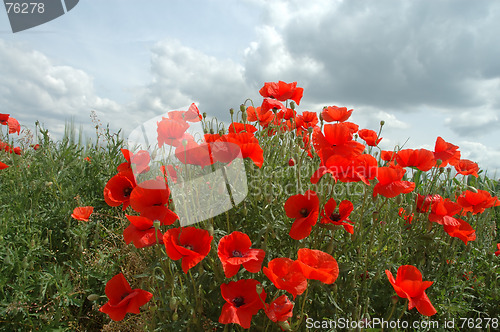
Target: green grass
(51, 263)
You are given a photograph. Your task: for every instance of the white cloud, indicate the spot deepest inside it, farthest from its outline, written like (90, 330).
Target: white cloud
(33, 88)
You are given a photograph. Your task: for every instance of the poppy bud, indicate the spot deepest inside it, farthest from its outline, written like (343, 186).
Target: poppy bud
(291, 162)
(285, 326)
(204, 115)
(292, 105)
(259, 289)
(175, 316)
(382, 123)
(438, 162)
(93, 297)
(394, 299)
(173, 303)
(231, 111)
(210, 229)
(184, 143)
(156, 224)
(243, 108)
(473, 189)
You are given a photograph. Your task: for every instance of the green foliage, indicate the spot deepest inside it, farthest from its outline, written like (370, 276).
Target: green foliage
(51, 263)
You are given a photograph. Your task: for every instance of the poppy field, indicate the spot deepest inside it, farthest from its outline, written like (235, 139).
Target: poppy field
(317, 224)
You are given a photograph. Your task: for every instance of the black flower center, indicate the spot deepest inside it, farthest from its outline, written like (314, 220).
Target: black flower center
(127, 191)
(237, 253)
(304, 212)
(238, 301)
(335, 217)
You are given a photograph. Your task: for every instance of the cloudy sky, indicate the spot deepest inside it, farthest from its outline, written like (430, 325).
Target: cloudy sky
(427, 68)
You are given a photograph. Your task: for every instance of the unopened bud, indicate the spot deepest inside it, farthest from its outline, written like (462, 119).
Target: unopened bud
(210, 229)
(156, 224)
(175, 316)
(259, 289)
(173, 303)
(291, 162)
(382, 123)
(292, 105)
(93, 297)
(394, 299)
(204, 115)
(473, 189)
(231, 111)
(184, 143)
(285, 326)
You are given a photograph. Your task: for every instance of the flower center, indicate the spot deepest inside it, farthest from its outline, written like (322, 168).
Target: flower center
(335, 217)
(127, 191)
(304, 212)
(238, 302)
(188, 246)
(237, 253)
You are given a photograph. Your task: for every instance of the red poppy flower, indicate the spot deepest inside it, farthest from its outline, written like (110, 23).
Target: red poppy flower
(422, 159)
(82, 213)
(14, 126)
(36, 146)
(234, 250)
(250, 147)
(3, 166)
(151, 198)
(236, 127)
(257, 114)
(187, 243)
(329, 216)
(242, 302)
(467, 167)
(118, 189)
(141, 232)
(286, 274)
(497, 253)
(306, 120)
(476, 202)
(269, 104)
(334, 113)
(305, 210)
(291, 162)
(424, 203)
(406, 216)
(390, 184)
(170, 172)
(224, 150)
(17, 150)
(191, 115)
(408, 284)
(282, 91)
(280, 309)
(354, 169)
(192, 153)
(170, 131)
(318, 265)
(442, 212)
(446, 152)
(5, 147)
(387, 155)
(123, 299)
(140, 160)
(4, 118)
(369, 136)
(463, 231)
(337, 140)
